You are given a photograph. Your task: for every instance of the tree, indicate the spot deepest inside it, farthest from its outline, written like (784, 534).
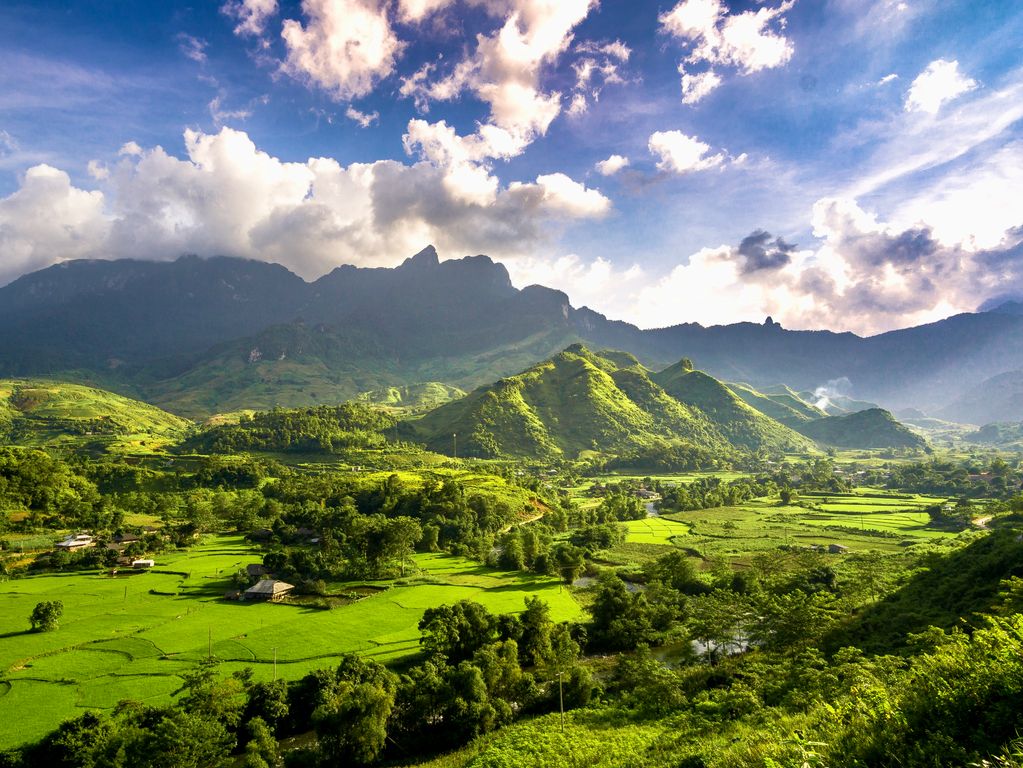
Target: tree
(353, 710)
(46, 616)
(456, 632)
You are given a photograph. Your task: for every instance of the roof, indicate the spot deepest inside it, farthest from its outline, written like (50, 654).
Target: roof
(256, 569)
(269, 587)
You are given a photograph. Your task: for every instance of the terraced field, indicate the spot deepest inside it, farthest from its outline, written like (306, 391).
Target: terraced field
(132, 637)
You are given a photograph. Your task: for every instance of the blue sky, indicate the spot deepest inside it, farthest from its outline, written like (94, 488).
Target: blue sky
(853, 164)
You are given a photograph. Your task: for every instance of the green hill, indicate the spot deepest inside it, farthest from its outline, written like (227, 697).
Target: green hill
(413, 397)
(837, 405)
(741, 424)
(1004, 435)
(576, 401)
(873, 428)
(52, 413)
(779, 403)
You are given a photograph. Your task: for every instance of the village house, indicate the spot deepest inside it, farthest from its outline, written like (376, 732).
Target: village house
(76, 542)
(268, 589)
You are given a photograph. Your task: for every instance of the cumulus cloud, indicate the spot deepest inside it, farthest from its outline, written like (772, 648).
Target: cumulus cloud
(612, 165)
(47, 219)
(345, 47)
(415, 11)
(940, 82)
(504, 69)
(697, 87)
(225, 196)
(748, 42)
(251, 15)
(678, 153)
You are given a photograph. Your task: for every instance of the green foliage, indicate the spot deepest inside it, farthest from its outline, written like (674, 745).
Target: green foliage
(872, 428)
(40, 413)
(46, 616)
(741, 424)
(304, 430)
(576, 401)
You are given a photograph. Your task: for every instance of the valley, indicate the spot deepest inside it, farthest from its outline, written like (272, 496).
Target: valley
(450, 524)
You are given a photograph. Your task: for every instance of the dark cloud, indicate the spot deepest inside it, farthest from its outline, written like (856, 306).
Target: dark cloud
(759, 251)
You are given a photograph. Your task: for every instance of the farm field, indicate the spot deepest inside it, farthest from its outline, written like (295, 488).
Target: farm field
(131, 637)
(867, 519)
(654, 530)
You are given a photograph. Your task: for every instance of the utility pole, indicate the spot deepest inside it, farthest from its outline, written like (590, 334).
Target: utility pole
(454, 445)
(209, 651)
(275, 664)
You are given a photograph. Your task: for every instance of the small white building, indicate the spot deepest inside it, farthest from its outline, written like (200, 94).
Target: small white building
(142, 564)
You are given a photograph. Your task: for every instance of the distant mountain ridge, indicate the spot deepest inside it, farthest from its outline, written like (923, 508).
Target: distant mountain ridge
(204, 335)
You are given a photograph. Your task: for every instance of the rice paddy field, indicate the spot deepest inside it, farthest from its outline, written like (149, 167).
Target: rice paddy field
(133, 636)
(866, 519)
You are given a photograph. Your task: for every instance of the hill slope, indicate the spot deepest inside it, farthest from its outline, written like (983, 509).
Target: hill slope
(576, 401)
(51, 413)
(741, 424)
(780, 403)
(870, 429)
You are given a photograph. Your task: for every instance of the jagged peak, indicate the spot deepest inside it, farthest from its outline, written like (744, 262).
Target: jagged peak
(425, 258)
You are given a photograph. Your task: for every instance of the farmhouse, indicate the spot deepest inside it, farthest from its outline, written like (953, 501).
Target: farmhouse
(142, 564)
(268, 589)
(78, 541)
(256, 570)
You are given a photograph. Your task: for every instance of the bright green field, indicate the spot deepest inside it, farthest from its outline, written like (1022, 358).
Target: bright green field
(654, 530)
(867, 519)
(132, 637)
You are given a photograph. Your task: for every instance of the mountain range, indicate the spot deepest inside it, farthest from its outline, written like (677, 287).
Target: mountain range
(199, 336)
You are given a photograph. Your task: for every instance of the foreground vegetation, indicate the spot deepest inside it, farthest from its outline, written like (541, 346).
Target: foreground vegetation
(765, 610)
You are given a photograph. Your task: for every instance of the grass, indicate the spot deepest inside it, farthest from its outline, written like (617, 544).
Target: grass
(654, 530)
(134, 636)
(867, 519)
(43, 413)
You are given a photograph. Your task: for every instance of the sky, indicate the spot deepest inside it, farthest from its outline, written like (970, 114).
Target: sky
(845, 164)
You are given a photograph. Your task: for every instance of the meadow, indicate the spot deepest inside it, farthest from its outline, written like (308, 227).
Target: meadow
(133, 636)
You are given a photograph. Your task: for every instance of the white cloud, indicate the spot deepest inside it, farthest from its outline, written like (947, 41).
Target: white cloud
(222, 115)
(612, 165)
(415, 11)
(887, 79)
(228, 197)
(615, 49)
(97, 170)
(130, 149)
(563, 195)
(679, 153)
(578, 105)
(345, 47)
(940, 82)
(364, 119)
(696, 87)
(46, 220)
(743, 40)
(865, 276)
(193, 47)
(251, 15)
(594, 283)
(505, 68)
